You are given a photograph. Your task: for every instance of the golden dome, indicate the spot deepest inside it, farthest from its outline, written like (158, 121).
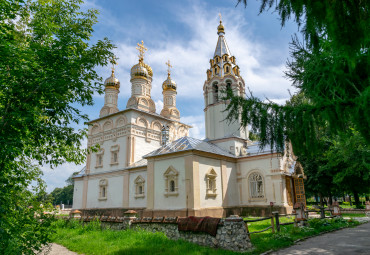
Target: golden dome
(141, 69)
(149, 69)
(220, 28)
(169, 84)
(112, 81)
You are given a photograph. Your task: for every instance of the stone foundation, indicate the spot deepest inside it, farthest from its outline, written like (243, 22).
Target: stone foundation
(231, 232)
(220, 212)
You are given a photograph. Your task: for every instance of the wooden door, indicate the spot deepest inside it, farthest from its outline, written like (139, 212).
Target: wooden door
(299, 191)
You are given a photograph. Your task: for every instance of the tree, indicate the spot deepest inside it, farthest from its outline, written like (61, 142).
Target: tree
(47, 67)
(330, 67)
(349, 159)
(64, 195)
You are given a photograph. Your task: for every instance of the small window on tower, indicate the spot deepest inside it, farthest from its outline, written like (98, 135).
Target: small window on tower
(215, 93)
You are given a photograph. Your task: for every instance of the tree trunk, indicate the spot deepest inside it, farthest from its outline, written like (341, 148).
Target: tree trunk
(321, 200)
(357, 199)
(350, 200)
(344, 197)
(330, 199)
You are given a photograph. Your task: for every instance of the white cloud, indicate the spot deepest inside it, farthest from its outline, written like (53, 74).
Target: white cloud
(197, 122)
(262, 73)
(158, 105)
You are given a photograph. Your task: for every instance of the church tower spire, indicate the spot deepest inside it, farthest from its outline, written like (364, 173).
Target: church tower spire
(169, 97)
(222, 75)
(141, 83)
(112, 85)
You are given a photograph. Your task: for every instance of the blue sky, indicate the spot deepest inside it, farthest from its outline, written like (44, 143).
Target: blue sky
(185, 32)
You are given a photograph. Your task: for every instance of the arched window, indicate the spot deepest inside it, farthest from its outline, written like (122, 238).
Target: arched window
(211, 183)
(215, 93)
(227, 69)
(103, 184)
(228, 85)
(256, 186)
(172, 186)
(171, 182)
(114, 154)
(99, 158)
(139, 187)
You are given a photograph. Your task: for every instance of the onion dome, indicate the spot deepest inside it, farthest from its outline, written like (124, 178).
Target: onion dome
(149, 69)
(169, 84)
(112, 81)
(139, 70)
(220, 28)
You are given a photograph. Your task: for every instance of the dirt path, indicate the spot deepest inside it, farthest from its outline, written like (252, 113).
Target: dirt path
(56, 249)
(347, 241)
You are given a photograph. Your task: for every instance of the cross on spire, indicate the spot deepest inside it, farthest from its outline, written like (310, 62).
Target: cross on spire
(113, 61)
(168, 63)
(219, 14)
(141, 50)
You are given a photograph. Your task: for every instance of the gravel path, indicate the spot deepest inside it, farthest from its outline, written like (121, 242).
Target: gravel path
(347, 241)
(56, 249)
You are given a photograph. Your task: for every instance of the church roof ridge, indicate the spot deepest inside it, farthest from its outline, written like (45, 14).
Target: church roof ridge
(187, 143)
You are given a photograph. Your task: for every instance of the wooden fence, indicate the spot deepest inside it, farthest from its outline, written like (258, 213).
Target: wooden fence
(275, 222)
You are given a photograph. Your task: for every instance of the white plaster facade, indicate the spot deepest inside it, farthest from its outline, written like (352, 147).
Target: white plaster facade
(132, 167)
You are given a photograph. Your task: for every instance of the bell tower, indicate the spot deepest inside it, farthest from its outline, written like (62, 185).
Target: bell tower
(222, 75)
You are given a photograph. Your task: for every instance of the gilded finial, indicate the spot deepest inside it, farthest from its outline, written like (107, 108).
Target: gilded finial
(220, 28)
(141, 50)
(168, 63)
(113, 61)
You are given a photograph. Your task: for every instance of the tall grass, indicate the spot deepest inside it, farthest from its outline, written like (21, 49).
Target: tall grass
(92, 239)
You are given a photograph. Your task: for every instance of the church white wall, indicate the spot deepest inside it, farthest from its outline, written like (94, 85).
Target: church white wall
(77, 194)
(217, 126)
(205, 164)
(137, 202)
(273, 184)
(161, 202)
(107, 156)
(143, 147)
(231, 196)
(114, 192)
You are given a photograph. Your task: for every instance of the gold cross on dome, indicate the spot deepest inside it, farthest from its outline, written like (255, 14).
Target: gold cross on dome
(113, 61)
(219, 14)
(168, 63)
(141, 50)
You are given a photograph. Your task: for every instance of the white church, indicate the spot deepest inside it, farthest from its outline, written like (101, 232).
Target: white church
(148, 163)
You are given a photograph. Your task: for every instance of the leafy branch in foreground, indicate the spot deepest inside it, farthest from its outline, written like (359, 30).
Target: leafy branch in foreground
(47, 69)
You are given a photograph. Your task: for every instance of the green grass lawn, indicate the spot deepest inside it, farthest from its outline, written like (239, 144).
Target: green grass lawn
(90, 239)
(353, 215)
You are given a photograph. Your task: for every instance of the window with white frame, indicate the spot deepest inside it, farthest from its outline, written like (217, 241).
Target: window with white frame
(139, 187)
(114, 154)
(211, 183)
(256, 186)
(171, 182)
(99, 158)
(103, 185)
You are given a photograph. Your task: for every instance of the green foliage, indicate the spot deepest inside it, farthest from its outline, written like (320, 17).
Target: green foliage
(93, 240)
(64, 195)
(330, 69)
(47, 68)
